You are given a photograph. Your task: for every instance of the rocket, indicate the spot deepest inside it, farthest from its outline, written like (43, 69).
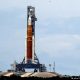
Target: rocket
(29, 40)
(30, 34)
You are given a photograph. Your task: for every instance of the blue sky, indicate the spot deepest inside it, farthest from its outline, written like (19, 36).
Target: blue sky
(57, 33)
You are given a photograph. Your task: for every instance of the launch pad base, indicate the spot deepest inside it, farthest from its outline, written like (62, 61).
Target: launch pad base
(36, 67)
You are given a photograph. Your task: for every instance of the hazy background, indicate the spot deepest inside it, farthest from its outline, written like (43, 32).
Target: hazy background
(57, 33)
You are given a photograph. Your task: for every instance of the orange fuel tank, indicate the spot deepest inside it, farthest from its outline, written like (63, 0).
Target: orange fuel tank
(29, 43)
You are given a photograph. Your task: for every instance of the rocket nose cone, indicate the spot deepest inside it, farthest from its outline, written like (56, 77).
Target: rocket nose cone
(29, 21)
(29, 18)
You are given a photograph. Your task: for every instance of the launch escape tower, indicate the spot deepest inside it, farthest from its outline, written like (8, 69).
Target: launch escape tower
(30, 60)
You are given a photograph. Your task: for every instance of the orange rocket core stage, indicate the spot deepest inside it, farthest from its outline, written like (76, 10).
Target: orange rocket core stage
(29, 43)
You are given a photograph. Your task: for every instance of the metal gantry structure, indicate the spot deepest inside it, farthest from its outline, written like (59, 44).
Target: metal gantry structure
(30, 60)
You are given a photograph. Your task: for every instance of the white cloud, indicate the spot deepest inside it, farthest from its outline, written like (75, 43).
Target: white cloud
(59, 43)
(64, 49)
(53, 8)
(10, 4)
(57, 8)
